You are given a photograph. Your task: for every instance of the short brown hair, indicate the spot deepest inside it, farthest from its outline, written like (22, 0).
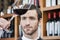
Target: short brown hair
(37, 10)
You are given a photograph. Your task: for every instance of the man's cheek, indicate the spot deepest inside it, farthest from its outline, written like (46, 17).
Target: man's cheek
(34, 22)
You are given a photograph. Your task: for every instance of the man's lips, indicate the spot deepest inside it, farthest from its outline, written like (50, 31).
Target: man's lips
(27, 27)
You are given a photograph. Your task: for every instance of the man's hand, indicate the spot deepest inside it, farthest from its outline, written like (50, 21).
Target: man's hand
(4, 24)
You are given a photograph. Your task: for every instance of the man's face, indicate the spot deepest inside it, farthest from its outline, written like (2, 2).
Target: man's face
(29, 22)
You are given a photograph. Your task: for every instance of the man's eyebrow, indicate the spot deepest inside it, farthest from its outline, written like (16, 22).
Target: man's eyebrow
(23, 16)
(31, 17)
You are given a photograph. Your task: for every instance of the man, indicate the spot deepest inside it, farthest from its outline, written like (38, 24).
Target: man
(29, 22)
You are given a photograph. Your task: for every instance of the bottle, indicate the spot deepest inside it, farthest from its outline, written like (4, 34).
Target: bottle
(9, 10)
(2, 13)
(55, 24)
(48, 25)
(58, 22)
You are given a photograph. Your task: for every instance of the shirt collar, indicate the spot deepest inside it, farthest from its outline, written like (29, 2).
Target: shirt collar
(25, 38)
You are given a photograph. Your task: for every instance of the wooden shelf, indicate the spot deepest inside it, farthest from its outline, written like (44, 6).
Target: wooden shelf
(45, 10)
(51, 8)
(7, 39)
(7, 15)
(51, 37)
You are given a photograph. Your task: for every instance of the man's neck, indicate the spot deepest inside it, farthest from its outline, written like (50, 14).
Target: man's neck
(33, 36)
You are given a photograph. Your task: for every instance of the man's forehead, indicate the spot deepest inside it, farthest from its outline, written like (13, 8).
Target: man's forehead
(30, 12)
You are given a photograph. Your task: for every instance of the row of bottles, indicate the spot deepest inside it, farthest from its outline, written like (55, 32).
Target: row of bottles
(53, 24)
(50, 3)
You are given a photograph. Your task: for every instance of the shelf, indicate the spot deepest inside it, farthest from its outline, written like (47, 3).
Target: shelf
(51, 8)
(7, 39)
(7, 15)
(51, 37)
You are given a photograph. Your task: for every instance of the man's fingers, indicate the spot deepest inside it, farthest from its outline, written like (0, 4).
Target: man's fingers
(1, 27)
(4, 23)
(3, 20)
(1, 24)
(7, 25)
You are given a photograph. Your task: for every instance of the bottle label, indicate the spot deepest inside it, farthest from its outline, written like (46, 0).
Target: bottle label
(58, 22)
(48, 28)
(56, 28)
(53, 25)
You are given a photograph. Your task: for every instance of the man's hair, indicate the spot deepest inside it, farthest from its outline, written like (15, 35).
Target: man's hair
(37, 10)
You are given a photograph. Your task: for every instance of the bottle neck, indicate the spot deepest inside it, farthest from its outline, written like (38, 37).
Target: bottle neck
(49, 16)
(54, 15)
(59, 15)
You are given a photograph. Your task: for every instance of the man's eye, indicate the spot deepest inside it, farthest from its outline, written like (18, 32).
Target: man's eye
(23, 18)
(32, 18)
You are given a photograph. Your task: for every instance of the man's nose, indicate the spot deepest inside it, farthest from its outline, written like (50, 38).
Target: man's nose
(27, 22)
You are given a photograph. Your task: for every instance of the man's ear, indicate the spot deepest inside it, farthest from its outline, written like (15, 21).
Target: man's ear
(40, 21)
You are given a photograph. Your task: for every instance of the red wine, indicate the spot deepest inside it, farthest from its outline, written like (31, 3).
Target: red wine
(20, 11)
